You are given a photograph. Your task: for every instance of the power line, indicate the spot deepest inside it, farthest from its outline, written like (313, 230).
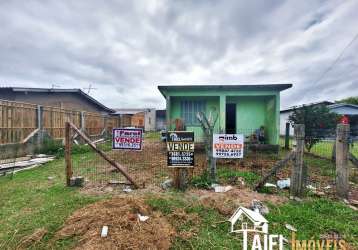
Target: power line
(336, 60)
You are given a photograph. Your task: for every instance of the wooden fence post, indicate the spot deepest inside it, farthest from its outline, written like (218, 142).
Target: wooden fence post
(297, 175)
(342, 151)
(181, 178)
(287, 136)
(68, 153)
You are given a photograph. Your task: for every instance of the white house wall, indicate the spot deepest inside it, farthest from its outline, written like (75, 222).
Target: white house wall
(149, 120)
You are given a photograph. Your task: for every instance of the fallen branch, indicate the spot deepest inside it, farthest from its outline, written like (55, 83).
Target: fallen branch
(280, 164)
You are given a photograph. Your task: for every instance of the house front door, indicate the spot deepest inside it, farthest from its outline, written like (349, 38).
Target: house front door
(231, 118)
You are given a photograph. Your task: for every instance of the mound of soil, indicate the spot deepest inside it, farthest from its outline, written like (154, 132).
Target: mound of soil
(125, 230)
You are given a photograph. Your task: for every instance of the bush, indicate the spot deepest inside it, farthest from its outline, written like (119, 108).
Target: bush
(202, 181)
(50, 147)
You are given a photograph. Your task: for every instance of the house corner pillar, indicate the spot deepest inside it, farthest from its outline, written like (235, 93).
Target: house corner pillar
(222, 114)
(168, 127)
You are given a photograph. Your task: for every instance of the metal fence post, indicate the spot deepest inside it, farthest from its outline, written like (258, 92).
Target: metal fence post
(287, 136)
(83, 121)
(342, 170)
(39, 117)
(40, 125)
(297, 175)
(68, 153)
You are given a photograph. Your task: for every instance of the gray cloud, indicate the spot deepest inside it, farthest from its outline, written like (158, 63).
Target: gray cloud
(126, 48)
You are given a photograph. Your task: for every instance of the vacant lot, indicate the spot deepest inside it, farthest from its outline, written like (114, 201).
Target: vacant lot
(33, 203)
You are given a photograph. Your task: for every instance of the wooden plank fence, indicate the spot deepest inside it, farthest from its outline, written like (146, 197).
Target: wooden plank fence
(18, 120)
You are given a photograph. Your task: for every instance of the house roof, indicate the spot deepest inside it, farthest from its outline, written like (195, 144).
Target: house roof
(233, 87)
(55, 90)
(309, 104)
(130, 111)
(344, 108)
(338, 105)
(252, 215)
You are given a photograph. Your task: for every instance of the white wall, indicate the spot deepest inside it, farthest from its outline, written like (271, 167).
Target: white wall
(149, 120)
(283, 120)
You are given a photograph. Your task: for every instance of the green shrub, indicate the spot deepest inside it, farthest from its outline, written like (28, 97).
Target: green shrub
(227, 173)
(202, 181)
(50, 147)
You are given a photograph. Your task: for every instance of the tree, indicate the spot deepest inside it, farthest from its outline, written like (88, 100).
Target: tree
(318, 120)
(207, 124)
(350, 100)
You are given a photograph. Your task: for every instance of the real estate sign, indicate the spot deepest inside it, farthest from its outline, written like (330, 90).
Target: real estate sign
(127, 138)
(228, 146)
(180, 148)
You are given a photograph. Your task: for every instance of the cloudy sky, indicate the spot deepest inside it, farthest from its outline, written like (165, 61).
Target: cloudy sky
(126, 48)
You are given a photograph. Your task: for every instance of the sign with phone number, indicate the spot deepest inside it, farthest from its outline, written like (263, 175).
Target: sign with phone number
(180, 148)
(228, 146)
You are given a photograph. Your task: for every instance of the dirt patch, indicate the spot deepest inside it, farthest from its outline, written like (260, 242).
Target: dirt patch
(227, 203)
(125, 231)
(32, 239)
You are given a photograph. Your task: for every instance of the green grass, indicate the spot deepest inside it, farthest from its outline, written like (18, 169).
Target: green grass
(211, 229)
(30, 201)
(153, 135)
(314, 218)
(323, 167)
(324, 148)
(311, 218)
(224, 175)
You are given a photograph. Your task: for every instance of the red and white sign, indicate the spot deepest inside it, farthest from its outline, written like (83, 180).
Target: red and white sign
(127, 138)
(345, 119)
(228, 146)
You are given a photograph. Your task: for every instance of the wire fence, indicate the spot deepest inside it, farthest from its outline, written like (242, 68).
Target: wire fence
(149, 166)
(323, 143)
(319, 159)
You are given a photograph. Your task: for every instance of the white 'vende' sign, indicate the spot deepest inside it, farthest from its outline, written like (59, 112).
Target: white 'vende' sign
(228, 145)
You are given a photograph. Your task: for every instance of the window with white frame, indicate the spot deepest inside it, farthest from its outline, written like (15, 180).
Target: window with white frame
(189, 109)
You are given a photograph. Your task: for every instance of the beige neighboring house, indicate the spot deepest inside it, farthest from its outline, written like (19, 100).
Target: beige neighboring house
(139, 118)
(74, 99)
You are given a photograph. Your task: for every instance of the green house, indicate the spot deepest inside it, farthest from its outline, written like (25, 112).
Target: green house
(241, 109)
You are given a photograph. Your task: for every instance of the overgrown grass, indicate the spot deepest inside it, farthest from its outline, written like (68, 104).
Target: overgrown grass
(324, 148)
(224, 175)
(323, 167)
(311, 218)
(56, 147)
(30, 201)
(314, 218)
(152, 135)
(211, 232)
